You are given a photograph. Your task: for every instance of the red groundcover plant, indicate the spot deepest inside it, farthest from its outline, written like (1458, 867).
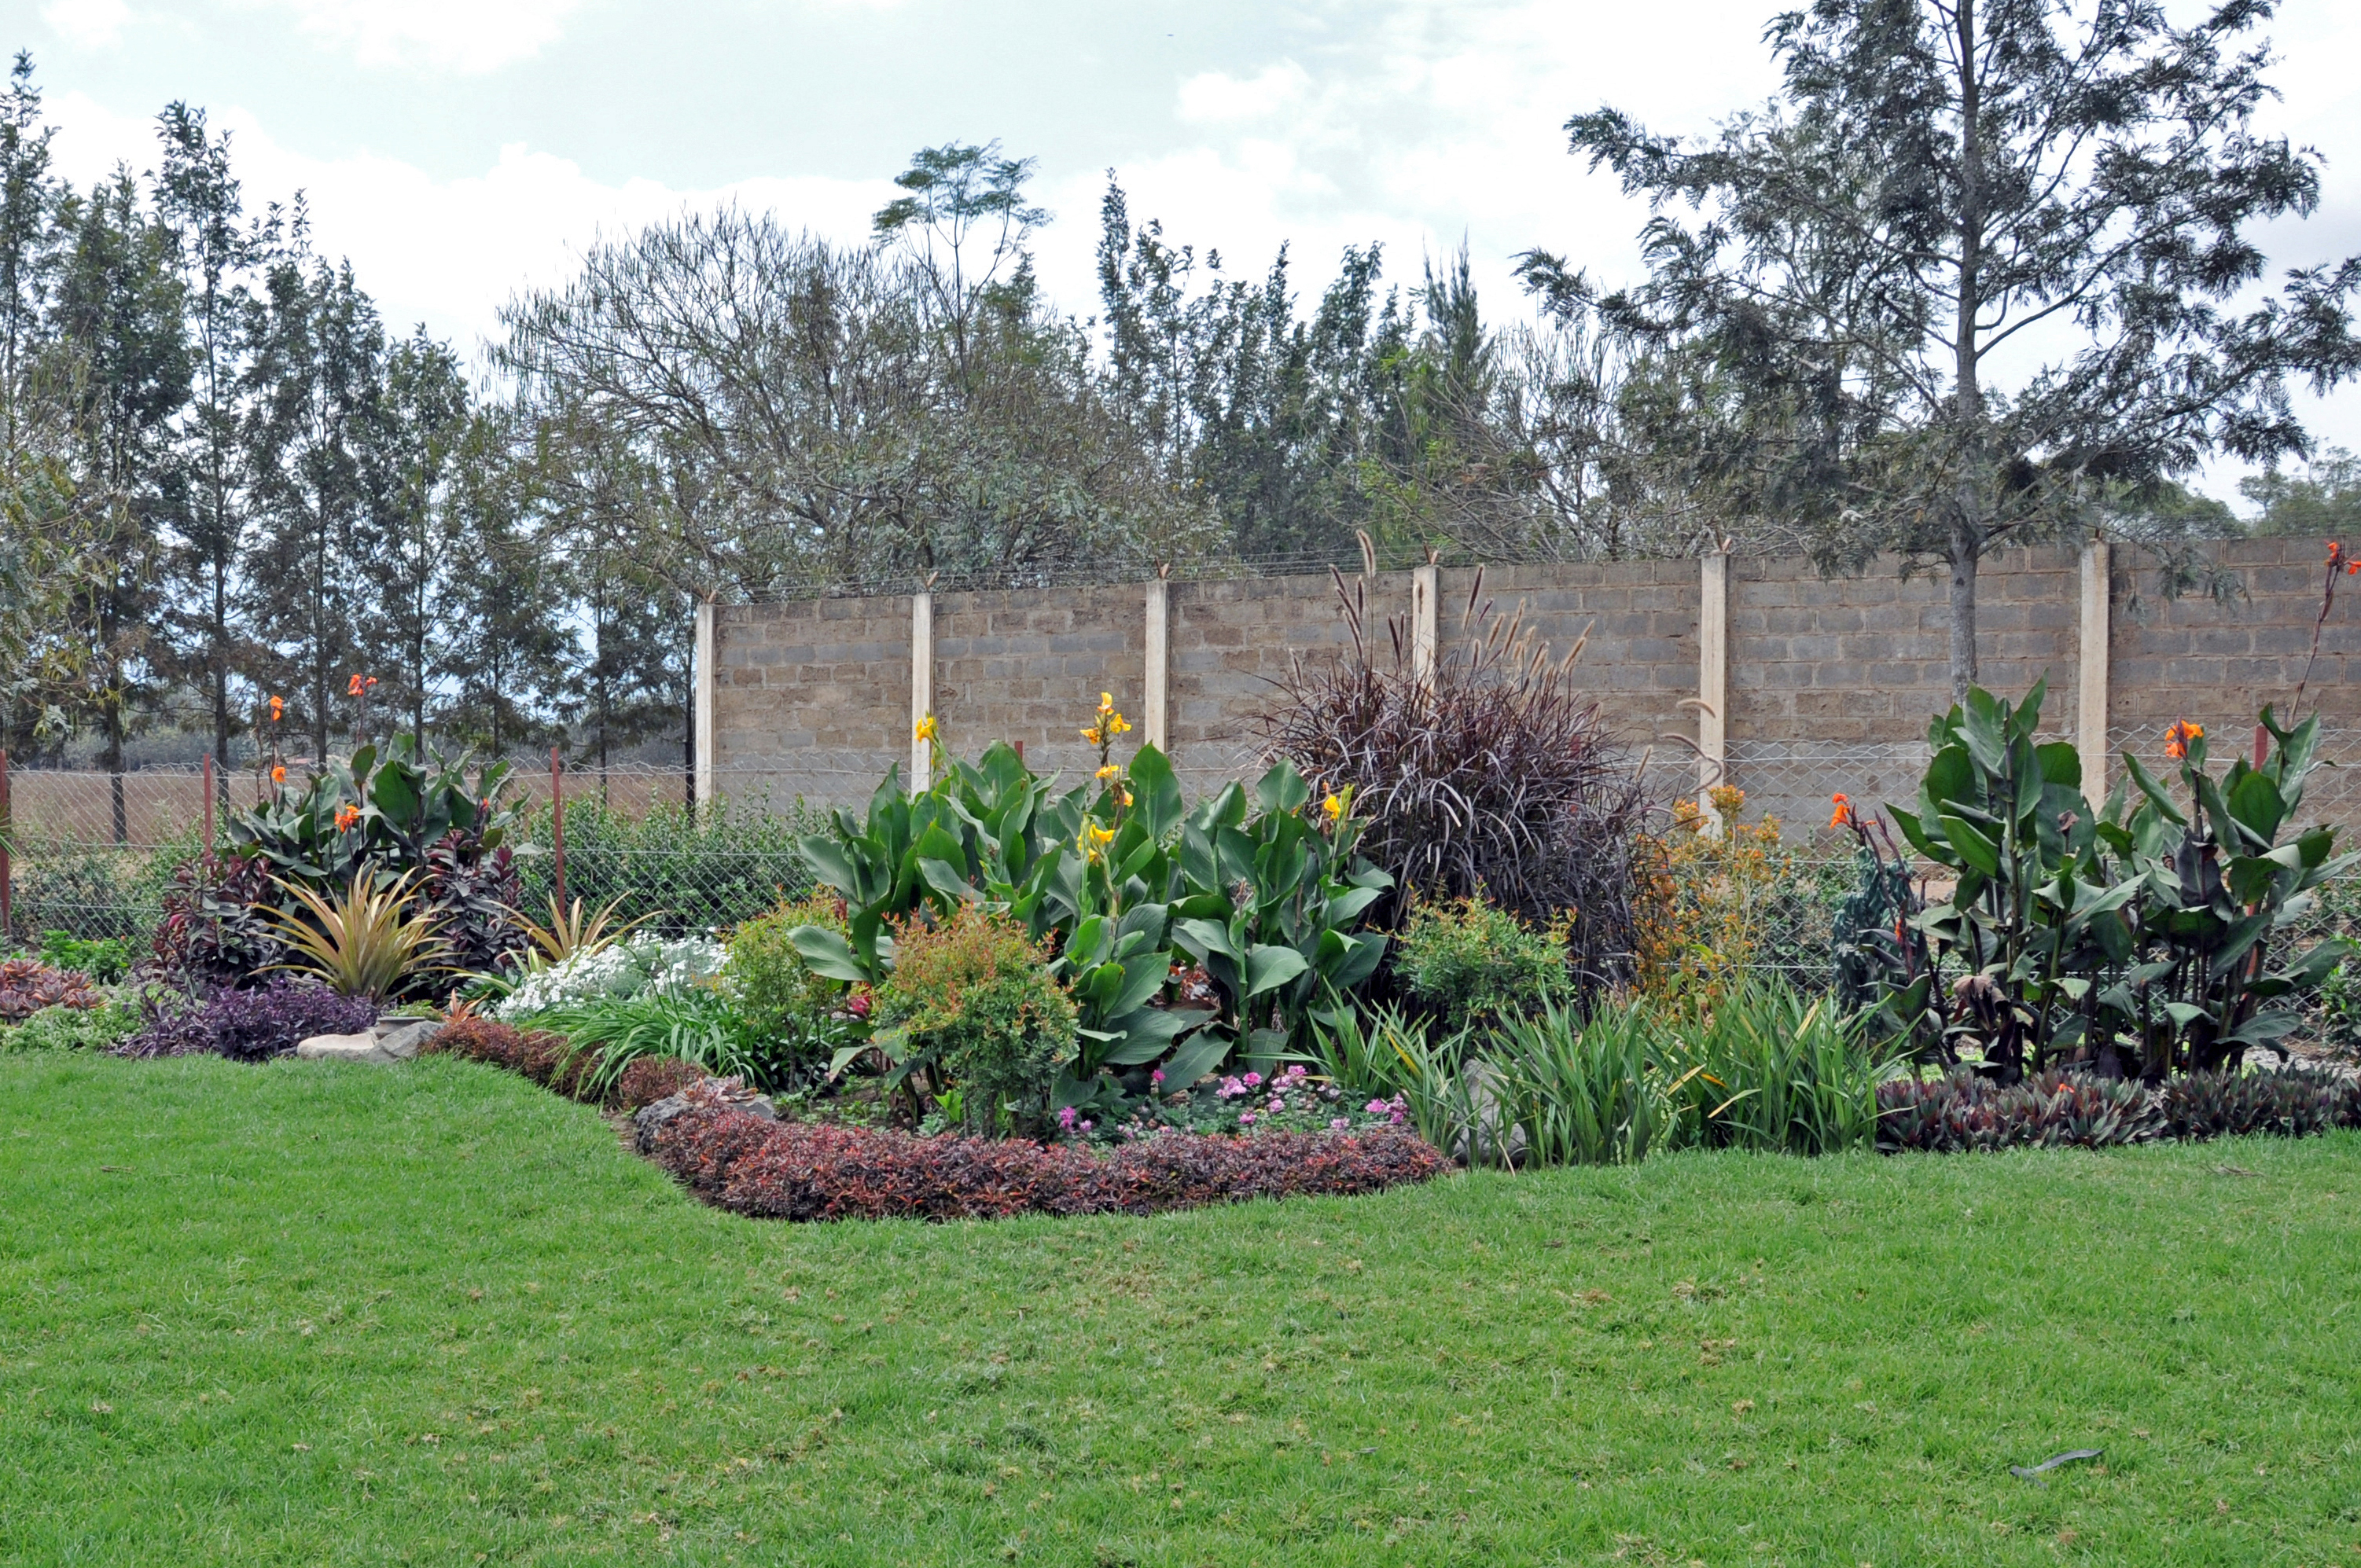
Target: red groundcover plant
(795, 1170)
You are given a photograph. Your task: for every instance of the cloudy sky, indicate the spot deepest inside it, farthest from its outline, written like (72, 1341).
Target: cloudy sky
(456, 149)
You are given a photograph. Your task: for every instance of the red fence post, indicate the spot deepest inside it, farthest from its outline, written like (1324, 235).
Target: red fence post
(7, 831)
(557, 822)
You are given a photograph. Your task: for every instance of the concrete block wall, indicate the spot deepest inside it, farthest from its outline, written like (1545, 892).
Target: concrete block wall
(1830, 682)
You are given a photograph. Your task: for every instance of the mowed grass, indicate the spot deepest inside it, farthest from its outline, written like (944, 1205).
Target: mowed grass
(319, 1314)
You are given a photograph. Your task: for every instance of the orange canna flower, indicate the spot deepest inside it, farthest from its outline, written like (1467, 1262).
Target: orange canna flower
(2177, 738)
(347, 815)
(278, 774)
(1843, 815)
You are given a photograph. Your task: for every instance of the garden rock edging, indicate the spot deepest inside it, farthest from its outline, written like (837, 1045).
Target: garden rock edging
(391, 1040)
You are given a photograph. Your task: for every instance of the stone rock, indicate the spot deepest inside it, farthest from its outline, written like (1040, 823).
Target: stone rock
(362, 1046)
(393, 1040)
(402, 1039)
(725, 1093)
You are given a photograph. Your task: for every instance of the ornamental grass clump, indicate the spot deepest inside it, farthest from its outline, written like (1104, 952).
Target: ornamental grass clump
(1484, 773)
(971, 1001)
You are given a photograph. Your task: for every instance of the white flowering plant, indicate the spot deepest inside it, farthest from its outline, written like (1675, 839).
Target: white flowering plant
(637, 965)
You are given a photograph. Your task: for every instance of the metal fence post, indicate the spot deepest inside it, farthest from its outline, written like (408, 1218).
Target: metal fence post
(208, 828)
(557, 823)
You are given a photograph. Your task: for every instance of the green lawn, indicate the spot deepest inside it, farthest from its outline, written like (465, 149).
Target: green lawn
(318, 1314)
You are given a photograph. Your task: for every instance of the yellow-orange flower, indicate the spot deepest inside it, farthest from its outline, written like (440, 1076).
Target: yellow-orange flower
(277, 709)
(928, 729)
(2177, 738)
(278, 775)
(1332, 808)
(1109, 774)
(347, 815)
(1843, 815)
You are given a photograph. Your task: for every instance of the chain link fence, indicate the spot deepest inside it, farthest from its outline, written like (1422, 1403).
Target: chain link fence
(92, 854)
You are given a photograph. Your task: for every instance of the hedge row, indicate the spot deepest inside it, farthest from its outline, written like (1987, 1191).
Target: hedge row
(1963, 1112)
(549, 1060)
(795, 1170)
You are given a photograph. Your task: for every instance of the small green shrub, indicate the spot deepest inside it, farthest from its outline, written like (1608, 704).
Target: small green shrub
(975, 996)
(104, 958)
(695, 1023)
(779, 995)
(96, 1028)
(1467, 959)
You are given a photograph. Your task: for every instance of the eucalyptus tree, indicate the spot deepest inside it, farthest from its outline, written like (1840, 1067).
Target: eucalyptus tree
(1980, 272)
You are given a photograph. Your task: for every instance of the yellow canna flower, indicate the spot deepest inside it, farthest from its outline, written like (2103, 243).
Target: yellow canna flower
(928, 729)
(1332, 808)
(1109, 774)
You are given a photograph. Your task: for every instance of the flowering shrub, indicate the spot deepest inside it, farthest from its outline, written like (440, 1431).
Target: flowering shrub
(249, 1025)
(804, 1171)
(637, 965)
(1701, 895)
(1245, 1104)
(28, 985)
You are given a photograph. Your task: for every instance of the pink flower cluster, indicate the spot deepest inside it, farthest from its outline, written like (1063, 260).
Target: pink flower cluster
(1069, 1121)
(1393, 1110)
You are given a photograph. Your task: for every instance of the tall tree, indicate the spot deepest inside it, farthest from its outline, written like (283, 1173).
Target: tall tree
(508, 656)
(408, 536)
(28, 198)
(119, 344)
(199, 201)
(1947, 190)
(314, 380)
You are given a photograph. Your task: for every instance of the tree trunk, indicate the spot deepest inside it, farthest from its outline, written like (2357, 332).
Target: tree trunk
(1964, 550)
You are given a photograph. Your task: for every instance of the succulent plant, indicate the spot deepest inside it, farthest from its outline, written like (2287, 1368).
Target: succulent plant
(27, 985)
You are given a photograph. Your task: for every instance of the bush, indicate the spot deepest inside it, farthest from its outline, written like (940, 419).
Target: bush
(633, 966)
(104, 958)
(810, 1171)
(216, 931)
(1471, 960)
(693, 1024)
(93, 891)
(392, 812)
(785, 1002)
(1964, 1113)
(2295, 1102)
(249, 1025)
(552, 1061)
(28, 985)
(975, 996)
(98, 1028)
(1490, 774)
(1707, 901)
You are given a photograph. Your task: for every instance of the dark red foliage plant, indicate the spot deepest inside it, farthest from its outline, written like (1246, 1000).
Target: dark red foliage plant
(1491, 773)
(27, 985)
(799, 1170)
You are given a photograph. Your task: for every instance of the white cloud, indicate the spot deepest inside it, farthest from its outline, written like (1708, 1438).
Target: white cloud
(87, 24)
(1217, 96)
(449, 252)
(467, 35)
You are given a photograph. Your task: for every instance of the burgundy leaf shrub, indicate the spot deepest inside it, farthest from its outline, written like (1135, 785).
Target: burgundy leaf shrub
(249, 1025)
(27, 985)
(798, 1170)
(546, 1058)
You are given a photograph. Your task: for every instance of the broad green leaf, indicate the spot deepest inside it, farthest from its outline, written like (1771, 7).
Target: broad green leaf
(1268, 968)
(1973, 847)
(1197, 1055)
(827, 953)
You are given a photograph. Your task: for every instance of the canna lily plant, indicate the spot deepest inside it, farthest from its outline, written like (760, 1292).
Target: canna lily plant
(2143, 939)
